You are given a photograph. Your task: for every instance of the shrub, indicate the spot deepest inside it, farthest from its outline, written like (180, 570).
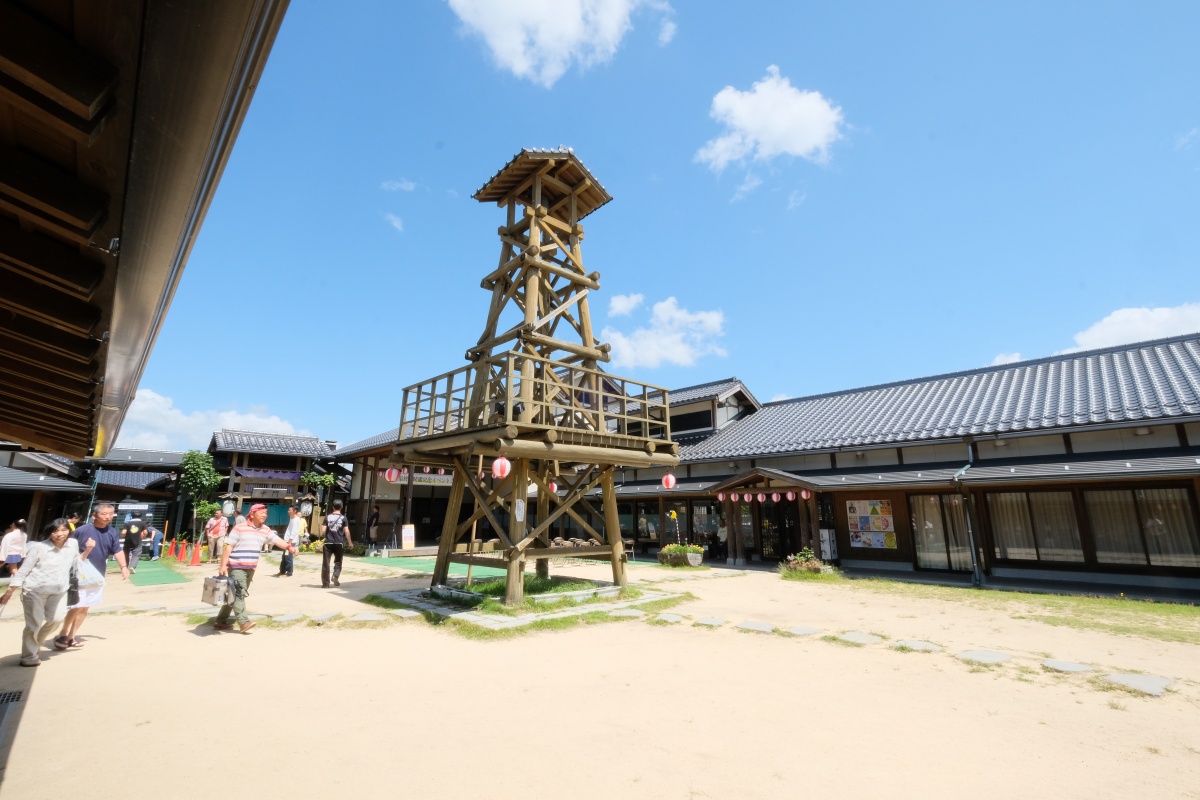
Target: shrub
(670, 549)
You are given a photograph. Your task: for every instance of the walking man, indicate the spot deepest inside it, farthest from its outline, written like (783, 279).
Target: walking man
(108, 543)
(239, 559)
(291, 536)
(337, 539)
(373, 525)
(214, 529)
(131, 541)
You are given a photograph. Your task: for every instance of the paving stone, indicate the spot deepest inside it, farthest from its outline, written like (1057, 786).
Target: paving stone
(800, 630)
(287, 617)
(711, 622)
(367, 617)
(323, 617)
(188, 609)
(404, 613)
(984, 656)
(672, 618)
(757, 627)
(858, 637)
(627, 612)
(1056, 665)
(149, 608)
(919, 645)
(106, 610)
(1146, 684)
(257, 617)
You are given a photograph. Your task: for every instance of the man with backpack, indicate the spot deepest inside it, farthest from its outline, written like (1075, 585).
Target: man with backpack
(337, 539)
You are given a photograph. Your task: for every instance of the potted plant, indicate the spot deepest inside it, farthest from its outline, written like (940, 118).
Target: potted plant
(681, 555)
(805, 560)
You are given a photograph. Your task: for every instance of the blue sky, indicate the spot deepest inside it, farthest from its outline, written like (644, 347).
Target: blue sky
(808, 196)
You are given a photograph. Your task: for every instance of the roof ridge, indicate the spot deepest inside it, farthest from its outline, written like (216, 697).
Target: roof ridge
(732, 379)
(995, 368)
(264, 433)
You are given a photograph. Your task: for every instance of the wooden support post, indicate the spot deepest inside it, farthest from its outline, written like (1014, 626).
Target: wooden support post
(543, 511)
(514, 591)
(612, 525)
(441, 569)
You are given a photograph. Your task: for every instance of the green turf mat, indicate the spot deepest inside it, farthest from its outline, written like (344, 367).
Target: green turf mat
(152, 573)
(427, 564)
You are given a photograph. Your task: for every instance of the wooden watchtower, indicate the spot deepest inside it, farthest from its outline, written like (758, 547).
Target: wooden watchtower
(533, 392)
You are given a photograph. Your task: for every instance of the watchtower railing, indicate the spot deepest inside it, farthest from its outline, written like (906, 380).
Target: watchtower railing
(534, 393)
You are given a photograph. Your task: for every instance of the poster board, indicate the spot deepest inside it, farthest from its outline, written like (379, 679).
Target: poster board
(408, 537)
(871, 524)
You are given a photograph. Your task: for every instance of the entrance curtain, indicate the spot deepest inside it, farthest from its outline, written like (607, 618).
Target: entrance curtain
(1170, 527)
(1010, 526)
(1055, 526)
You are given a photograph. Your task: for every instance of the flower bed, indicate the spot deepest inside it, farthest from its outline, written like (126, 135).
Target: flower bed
(681, 555)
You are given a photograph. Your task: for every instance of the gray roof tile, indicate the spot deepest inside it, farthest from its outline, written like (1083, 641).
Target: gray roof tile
(127, 478)
(1149, 381)
(20, 479)
(366, 445)
(273, 443)
(710, 390)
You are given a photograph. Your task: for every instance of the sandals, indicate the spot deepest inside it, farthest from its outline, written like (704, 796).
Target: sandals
(62, 643)
(76, 642)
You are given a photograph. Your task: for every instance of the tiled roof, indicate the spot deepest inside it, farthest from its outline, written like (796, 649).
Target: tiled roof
(366, 445)
(708, 391)
(272, 443)
(20, 479)
(127, 455)
(1150, 381)
(127, 478)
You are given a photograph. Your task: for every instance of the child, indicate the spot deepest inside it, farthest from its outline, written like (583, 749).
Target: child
(43, 580)
(12, 547)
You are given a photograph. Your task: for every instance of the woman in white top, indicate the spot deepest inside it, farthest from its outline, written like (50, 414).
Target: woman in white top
(12, 547)
(43, 580)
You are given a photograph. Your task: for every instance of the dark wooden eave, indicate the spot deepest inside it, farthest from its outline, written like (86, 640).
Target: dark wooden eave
(116, 119)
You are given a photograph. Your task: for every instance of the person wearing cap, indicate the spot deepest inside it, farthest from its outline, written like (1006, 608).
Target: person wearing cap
(239, 559)
(131, 541)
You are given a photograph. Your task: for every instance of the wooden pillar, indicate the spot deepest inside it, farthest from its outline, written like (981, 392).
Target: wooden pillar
(739, 548)
(441, 569)
(514, 590)
(729, 530)
(814, 524)
(543, 511)
(612, 525)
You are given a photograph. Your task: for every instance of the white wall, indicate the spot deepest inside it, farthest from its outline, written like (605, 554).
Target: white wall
(869, 458)
(1124, 439)
(811, 462)
(1023, 447)
(929, 453)
(1193, 433)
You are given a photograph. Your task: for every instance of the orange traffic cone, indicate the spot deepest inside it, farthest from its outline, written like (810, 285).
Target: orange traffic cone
(195, 562)
(182, 552)
(171, 550)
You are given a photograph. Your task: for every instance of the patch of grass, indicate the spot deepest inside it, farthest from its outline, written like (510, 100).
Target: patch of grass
(1153, 750)
(836, 640)
(804, 575)
(381, 602)
(321, 623)
(534, 584)
(199, 619)
(680, 569)
(903, 648)
(1117, 705)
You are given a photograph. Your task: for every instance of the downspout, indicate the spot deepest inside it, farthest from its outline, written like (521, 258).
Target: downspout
(976, 572)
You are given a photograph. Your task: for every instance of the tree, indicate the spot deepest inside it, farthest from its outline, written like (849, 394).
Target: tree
(198, 478)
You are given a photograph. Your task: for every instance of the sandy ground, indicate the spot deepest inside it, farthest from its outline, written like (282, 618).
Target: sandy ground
(626, 709)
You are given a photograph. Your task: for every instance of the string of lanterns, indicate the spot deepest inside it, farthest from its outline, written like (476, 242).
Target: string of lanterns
(760, 497)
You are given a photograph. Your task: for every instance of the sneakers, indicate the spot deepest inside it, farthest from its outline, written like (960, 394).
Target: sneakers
(33, 662)
(222, 626)
(246, 626)
(337, 582)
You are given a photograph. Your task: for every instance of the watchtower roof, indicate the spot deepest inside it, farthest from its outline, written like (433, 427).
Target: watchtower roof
(568, 171)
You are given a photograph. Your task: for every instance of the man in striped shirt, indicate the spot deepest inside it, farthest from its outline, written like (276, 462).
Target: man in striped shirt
(239, 559)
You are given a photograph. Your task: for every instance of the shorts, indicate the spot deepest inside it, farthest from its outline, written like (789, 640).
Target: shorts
(89, 598)
(14, 559)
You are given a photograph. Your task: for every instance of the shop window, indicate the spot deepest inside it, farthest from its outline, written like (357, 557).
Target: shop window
(1115, 527)
(648, 525)
(1169, 525)
(1033, 526)
(625, 515)
(746, 514)
(940, 531)
(705, 516)
(1011, 528)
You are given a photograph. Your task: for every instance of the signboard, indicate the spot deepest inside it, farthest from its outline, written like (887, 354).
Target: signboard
(871, 524)
(519, 509)
(133, 507)
(408, 537)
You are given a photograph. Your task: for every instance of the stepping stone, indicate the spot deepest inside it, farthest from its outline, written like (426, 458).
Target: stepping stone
(367, 617)
(257, 617)
(757, 627)
(984, 656)
(1146, 684)
(149, 608)
(711, 622)
(404, 613)
(1056, 665)
(627, 612)
(919, 645)
(800, 630)
(107, 610)
(323, 617)
(858, 637)
(287, 618)
(671, 618)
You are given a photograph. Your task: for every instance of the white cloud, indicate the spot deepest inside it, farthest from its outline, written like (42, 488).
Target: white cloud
(540, 39)
(1187, 139)
(773, 118)
(622, 305)
(666, 32)
(402, 185)
(781, 396)
(1005, 358)
(748, 185)
(395, 222)
(1128, 325)
(795, 199)
(674, 336)
(154, 422)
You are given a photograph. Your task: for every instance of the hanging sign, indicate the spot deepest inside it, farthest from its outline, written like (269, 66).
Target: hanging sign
(519, 510)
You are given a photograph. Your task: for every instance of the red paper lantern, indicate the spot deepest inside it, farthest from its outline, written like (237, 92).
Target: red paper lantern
(501, 468)
(762, 498)
(775, 496)
(791, 495)
(805, 493)
(720, 497)
(668, 481)
(734, 497)
(441, 471)
(391, 474)
(426, 470)
(553, 487)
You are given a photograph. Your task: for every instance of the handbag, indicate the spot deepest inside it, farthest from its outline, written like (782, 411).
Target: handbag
(89, 576)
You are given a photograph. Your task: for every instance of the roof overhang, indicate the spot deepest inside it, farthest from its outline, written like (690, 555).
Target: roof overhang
(123, 114)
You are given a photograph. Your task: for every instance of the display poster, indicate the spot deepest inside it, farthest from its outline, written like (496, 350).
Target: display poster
(871, 524)
(408, 537)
